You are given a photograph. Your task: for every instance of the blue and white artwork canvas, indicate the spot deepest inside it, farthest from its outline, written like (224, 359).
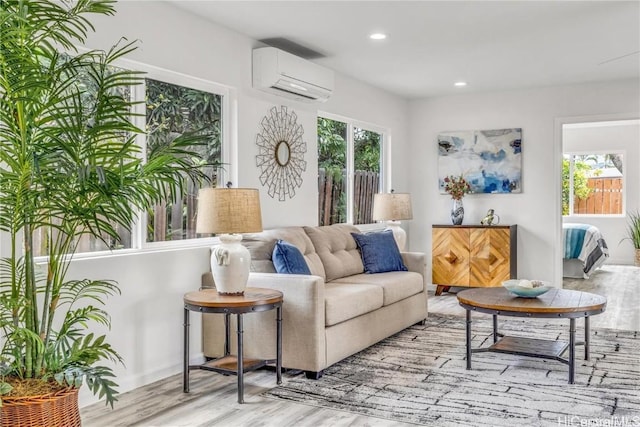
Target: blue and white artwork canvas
(490, 160)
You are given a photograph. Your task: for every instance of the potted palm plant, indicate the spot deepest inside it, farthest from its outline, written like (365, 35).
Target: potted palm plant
(633, 233)
(69, 167)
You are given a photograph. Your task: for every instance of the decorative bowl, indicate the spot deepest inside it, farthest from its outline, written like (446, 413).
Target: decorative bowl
(526, 288)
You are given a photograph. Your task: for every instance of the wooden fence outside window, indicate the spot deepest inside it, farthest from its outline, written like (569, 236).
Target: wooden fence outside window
(605, 198)
(332, 196)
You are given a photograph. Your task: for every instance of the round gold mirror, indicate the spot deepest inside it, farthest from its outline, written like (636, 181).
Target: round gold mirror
(283, 153)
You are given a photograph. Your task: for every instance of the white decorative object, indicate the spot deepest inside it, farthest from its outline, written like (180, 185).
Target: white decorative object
(524, 288)
(229, 210)
(393, 207)
(230, 262)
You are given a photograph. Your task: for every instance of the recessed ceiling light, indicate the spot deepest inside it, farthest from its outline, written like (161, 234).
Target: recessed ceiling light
(378, 36)
(460, 84)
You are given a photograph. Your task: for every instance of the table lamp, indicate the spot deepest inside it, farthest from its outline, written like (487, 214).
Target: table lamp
(227, 212)
(393, 207)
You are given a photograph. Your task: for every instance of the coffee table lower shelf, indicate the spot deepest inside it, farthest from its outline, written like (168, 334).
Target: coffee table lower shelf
(531, 347)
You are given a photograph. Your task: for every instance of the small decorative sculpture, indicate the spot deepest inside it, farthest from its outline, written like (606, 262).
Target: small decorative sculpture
(489, 218)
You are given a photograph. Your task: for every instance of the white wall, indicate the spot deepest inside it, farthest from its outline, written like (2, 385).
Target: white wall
(537, 209)
(610, 136)
(147, 317)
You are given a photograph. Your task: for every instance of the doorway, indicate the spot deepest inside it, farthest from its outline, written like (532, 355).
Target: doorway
(598, 181)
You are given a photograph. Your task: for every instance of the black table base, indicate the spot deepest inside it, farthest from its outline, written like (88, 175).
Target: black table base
(545, 349)
(228, 364)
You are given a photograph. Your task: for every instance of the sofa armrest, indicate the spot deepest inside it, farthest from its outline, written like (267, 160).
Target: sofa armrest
(417, 262)
(303, 322)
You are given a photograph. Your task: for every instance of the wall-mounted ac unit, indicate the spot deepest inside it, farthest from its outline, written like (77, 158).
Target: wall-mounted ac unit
(280, 72)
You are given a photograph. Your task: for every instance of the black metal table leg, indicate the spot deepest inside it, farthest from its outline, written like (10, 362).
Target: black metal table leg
(279, 345)
(572, 349)
(227, 334)
(240, 361)
(495, 328)
(587, 333)
(468, 339)
(185, 355)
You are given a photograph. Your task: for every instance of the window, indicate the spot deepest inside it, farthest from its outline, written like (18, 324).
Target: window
(170, 105)
(88, 88)
(172, 110)
(593, 184)
(349, 170)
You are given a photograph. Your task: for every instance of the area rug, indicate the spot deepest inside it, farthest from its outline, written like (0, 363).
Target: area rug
(419, 376)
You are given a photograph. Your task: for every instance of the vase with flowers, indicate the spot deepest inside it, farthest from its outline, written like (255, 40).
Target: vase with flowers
(456, 187)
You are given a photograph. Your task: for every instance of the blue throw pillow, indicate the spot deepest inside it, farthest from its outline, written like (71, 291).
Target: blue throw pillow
(379, 252)
(288, 259)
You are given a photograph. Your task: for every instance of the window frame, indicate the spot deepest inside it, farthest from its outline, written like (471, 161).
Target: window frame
(572, 155)
(385, 156)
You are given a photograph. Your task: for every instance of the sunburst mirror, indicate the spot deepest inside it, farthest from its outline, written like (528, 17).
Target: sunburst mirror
(281, 153)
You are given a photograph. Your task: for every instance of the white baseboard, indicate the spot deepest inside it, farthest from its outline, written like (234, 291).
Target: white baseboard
(125, 384)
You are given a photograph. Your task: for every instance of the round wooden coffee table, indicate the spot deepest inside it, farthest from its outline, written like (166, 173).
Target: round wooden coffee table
(555, 304)
(253, 300)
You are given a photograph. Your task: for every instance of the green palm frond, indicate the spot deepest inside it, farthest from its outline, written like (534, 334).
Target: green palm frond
(70, 167)
(633, 228)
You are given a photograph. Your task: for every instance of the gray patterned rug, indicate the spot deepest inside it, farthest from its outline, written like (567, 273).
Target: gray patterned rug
(418, 376)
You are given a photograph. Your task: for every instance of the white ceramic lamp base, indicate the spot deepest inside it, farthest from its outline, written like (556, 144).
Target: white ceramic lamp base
(230, 263)
(398, 233)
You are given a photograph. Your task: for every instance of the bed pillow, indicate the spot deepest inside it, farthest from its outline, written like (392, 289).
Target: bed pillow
(288, 259)
(379, 252)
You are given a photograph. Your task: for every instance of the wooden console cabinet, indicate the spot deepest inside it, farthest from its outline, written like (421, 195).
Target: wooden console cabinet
(473, 256)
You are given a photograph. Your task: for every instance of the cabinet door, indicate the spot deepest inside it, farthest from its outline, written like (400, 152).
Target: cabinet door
(489, 263)
(450, 256)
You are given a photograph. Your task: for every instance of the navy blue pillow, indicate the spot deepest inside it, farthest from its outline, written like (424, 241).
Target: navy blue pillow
(288, 259)
(379, 252)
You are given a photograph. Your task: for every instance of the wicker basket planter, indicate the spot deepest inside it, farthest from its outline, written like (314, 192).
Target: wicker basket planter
(58, 409)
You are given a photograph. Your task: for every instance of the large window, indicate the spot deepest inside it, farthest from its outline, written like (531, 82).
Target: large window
(171, 111)
(593, 184)
(349, 170)
(170, 105)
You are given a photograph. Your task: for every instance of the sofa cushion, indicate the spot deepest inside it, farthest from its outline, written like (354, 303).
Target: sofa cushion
(288, 259)
(379, 252)
(396, 285)
(346, 301)
(261, 247)
(337, 249)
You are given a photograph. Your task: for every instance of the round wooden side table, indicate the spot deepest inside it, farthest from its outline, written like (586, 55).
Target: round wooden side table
(254, 300)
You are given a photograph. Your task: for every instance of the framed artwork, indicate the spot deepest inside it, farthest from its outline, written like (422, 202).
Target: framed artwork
(490, 160)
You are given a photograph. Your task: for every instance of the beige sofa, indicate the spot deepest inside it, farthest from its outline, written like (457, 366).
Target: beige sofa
(331, 314)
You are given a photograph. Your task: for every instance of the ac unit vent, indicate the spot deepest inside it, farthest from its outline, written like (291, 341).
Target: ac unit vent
(294, 94)
(282, 73)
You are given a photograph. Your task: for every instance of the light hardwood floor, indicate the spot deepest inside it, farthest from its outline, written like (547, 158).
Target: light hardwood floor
(212, 400)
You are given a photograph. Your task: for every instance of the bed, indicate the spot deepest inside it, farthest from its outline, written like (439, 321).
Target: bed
(584, 250)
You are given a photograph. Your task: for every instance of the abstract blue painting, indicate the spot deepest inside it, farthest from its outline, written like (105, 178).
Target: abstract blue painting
(490, 160)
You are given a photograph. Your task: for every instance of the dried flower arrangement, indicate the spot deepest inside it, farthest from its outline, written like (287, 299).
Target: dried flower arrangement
(456, 186)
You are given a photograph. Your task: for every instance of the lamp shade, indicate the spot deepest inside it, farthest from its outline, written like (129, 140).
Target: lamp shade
(392, 206)
(228, 210)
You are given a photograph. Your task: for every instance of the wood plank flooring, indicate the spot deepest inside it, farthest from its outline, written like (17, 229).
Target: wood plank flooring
(213, 397)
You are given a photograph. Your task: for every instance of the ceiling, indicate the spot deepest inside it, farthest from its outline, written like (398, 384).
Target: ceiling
(492, 45)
